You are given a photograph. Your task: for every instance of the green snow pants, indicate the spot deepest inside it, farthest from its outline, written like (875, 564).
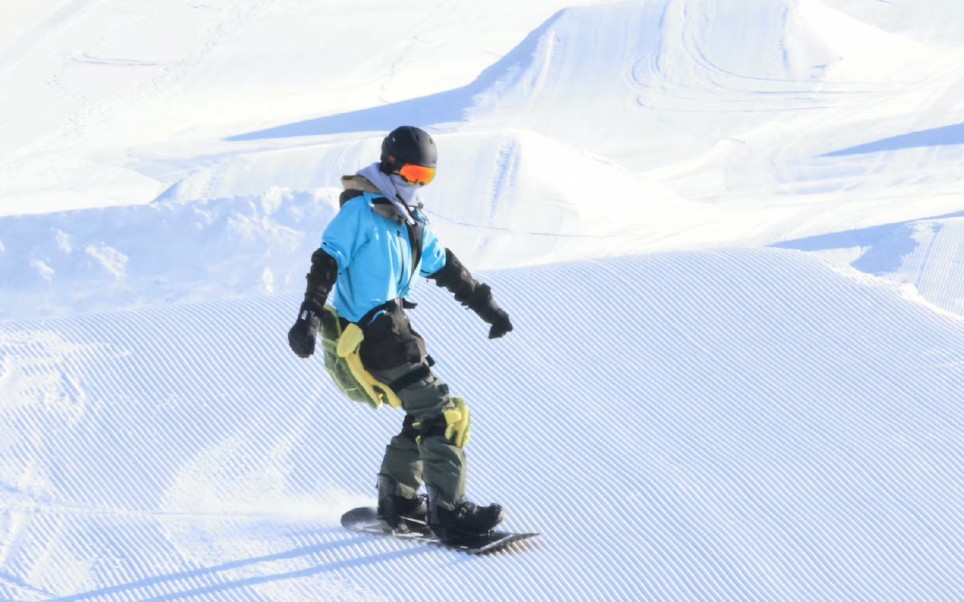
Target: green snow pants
(434, 460)
(429, 447)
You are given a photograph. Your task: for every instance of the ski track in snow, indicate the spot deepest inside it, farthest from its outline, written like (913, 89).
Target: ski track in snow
(723, 425)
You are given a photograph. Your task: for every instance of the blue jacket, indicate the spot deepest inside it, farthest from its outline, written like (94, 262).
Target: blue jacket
(374, 257)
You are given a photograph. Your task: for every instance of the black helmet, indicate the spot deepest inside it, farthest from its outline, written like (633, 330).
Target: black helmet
(409, 145)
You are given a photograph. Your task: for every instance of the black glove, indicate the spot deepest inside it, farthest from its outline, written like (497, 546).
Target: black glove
(324, 271)
(481, 303)
(301, 337)
(500, 323)
(478, 297)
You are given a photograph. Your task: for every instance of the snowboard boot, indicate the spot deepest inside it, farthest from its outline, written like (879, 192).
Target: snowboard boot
(394, 508)
(464, 519)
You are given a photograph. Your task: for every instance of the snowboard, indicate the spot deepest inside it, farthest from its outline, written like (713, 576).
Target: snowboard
(365, 520)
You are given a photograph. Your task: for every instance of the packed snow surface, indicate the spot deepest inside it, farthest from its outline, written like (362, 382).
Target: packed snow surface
(730, 236)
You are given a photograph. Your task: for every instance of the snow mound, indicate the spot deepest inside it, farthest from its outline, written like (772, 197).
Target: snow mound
(148, 255)
(925, 255)
(505, 197)
(247, 224)
(648, 84)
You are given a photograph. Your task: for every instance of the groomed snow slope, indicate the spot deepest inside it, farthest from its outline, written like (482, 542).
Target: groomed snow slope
(725, 425)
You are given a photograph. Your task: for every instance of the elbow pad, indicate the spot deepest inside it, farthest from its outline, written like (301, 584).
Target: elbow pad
(467, 290)
(321, 279)
(478, 297)
(456, 278)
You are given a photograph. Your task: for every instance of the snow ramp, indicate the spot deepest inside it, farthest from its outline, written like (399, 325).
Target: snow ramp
(726, 425)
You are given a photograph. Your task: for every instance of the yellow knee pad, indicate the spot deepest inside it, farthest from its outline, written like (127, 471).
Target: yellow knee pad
(457, 425)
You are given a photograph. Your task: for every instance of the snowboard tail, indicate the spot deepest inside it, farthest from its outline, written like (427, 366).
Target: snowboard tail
(365, 520)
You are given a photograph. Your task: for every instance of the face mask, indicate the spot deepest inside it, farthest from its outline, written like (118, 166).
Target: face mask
(408, 192)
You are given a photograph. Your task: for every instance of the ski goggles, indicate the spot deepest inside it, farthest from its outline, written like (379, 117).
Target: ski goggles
(416, 174)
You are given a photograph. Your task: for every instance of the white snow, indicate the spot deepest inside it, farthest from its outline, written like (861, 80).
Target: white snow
(730, 236)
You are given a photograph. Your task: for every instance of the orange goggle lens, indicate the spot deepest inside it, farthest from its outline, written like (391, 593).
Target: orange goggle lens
(416, 174)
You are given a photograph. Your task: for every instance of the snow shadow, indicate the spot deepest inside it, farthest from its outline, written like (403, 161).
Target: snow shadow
(190, 578)
(436, 108)
(442, 107)
(942, 136)
(885, 246)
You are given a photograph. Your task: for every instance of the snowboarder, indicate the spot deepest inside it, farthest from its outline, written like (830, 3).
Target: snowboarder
(371, 252)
